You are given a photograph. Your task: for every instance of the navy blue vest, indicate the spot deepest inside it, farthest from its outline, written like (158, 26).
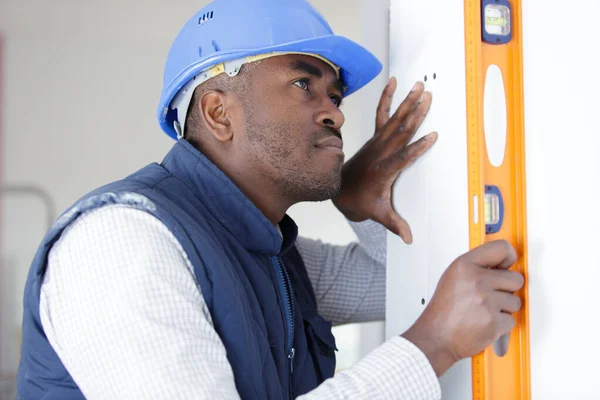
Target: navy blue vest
(253, 281)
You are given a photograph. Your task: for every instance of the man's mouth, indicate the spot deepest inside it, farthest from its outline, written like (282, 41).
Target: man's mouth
(330, 142)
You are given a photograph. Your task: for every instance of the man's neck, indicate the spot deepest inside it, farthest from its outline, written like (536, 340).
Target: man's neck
(264, 193)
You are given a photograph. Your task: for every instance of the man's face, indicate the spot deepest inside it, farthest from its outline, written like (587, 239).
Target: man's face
(292, 126)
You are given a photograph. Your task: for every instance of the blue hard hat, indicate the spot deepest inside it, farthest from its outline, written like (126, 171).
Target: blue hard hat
(227, 30)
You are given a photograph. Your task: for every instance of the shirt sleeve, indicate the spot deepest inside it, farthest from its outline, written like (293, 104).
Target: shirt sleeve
(122, 309)
(395, 370)
(349, 281)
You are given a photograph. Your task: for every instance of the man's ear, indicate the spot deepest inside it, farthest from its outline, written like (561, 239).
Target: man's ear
(214, 111)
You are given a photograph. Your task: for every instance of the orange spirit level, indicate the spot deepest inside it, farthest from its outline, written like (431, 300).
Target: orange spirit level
(496, 168)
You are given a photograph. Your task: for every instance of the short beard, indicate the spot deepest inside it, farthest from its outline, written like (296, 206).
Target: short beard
(296, 182)
(304, 187)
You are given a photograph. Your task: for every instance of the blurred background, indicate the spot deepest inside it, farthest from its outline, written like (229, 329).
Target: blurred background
(80, 81)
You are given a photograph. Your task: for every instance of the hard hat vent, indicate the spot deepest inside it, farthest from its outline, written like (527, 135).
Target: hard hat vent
(205, 18)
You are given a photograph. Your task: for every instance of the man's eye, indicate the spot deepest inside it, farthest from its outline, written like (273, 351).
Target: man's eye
(302, 84)
(336, 100)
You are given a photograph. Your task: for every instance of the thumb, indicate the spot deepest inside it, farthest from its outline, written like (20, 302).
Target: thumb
(398, 225)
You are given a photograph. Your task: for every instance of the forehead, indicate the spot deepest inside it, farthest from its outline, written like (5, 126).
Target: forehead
(291, 63)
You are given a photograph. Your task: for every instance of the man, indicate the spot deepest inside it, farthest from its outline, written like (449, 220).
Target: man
(187, 279)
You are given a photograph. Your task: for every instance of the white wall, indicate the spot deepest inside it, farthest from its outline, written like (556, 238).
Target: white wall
(427, 38)
(82, 82)
(563, 187)
(561, 86)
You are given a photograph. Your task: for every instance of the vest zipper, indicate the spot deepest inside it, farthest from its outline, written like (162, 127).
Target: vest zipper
(285, 289)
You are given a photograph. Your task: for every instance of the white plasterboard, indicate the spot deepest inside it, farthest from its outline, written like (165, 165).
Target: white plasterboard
(427, 38)
(561, 84)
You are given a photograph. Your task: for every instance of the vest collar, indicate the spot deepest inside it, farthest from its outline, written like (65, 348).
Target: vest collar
(227, 203)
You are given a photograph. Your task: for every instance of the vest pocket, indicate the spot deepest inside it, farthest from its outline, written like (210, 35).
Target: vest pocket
(321, 344)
